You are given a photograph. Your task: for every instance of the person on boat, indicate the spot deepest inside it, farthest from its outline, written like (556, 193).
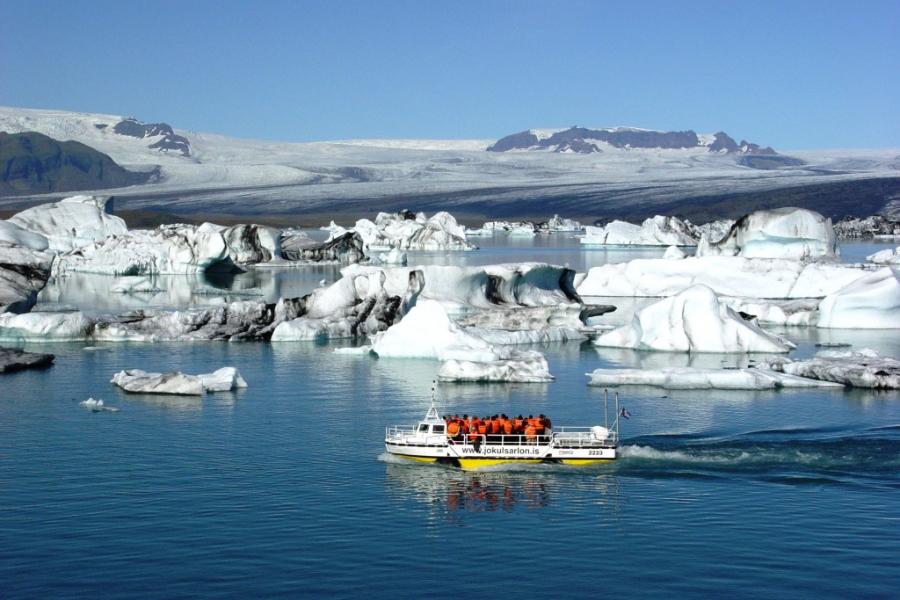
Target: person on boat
(507, 425)
(530, 432)
(519, 425)
(453, 429)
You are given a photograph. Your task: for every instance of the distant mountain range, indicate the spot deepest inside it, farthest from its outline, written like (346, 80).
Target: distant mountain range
(576, 172)
(32, 163)
(581, 140)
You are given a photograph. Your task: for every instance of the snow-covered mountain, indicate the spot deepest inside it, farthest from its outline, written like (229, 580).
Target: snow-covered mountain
(201, 172)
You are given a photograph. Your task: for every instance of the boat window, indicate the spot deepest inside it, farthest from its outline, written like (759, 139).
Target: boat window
(438, 429)
(423, 427)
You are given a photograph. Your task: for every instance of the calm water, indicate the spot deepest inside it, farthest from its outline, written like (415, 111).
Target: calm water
(283, 490)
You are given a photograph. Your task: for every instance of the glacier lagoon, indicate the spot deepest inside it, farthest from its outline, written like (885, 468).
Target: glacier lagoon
(282, 489)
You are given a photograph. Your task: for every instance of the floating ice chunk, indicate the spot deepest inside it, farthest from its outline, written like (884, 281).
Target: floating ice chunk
(791, 233)
(251, 244)
(863, 369)
(97, 405)
(410, 232)
(692, 321)
(222, 380)
(727, 275)
(13, 359)
(655, 231)
(168, 249)
(307, 329)
(137, 381)
(870, 302)
(674, 253)
(550, 333)
(518, 367)
(45, 327)
(561, 225)
(887, 256)
(72, 222)
(692, 378)
(428, 332)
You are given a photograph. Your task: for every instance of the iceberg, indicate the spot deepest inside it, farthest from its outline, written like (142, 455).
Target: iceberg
(655, 231)
(887, 256)
(862, 369)
(407, 231)
(168, 249)
(142, 382)
(870, 302)
(695, 378)
(72, 222)
(45, 327)
(791, 233)
(428, 332)
(394, 257)
(344, 247)
(249, 244)
(97, 405)
(518, 367)
(674, 253)
(692, 321)
(728, 275)
(560, 225)
(800, 313)
(13, 359)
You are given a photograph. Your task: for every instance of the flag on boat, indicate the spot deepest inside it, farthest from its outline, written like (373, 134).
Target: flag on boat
(625, 413)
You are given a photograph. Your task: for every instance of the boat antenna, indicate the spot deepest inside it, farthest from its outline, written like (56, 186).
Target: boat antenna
(606, 407)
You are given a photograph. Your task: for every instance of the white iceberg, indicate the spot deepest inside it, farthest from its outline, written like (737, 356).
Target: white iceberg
(888, 256)
(97, 405)
(862, 369)
(799, 313)
(695, 378)
(692, 321)
(518, 367)
(137, 381)
(870, 302)
(250, 244)
(72, 222)
(561, 225)
(655, 231)
(674, 253)
(168, 249)
(727, 275)
(45, 327)
(791, 233)
(428, 332)
(409, 232)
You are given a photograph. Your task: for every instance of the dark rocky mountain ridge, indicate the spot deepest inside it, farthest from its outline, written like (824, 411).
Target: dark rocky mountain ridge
(33, 163)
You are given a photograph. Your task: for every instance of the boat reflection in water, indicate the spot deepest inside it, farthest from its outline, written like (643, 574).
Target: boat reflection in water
(452, 490)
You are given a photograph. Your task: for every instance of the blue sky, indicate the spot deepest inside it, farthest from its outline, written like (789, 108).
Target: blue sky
(793, 74)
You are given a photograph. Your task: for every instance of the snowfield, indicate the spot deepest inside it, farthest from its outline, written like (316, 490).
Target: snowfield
(278, 177)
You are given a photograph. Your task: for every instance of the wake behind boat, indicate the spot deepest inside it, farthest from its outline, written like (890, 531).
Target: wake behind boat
(448, 441)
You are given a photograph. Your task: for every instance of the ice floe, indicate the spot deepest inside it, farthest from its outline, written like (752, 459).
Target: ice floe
(888, 256)
(97, 405)
(862, 369)
(560, 225)
(692, 321)
(344, 248)
(695, 378)
(870, 302)
(72, 222)
(13, 359)
(137, 381)
(655, 231)
(517, 367)
(791, 233)
(394, 257)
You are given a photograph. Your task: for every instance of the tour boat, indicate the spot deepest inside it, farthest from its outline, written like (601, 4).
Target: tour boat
(429, 442)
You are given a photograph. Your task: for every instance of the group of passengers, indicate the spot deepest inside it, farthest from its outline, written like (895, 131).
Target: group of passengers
(493, 429)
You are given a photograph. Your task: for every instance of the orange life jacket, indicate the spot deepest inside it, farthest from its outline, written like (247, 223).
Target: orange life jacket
(530, 431)
(496, 426)
(517, 424)
(482, 428)
(453, 428)
(507, 427)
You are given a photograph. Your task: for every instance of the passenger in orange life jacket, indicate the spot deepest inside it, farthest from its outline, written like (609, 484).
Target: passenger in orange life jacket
(518, 425)
(496, 425)
(507, 425)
